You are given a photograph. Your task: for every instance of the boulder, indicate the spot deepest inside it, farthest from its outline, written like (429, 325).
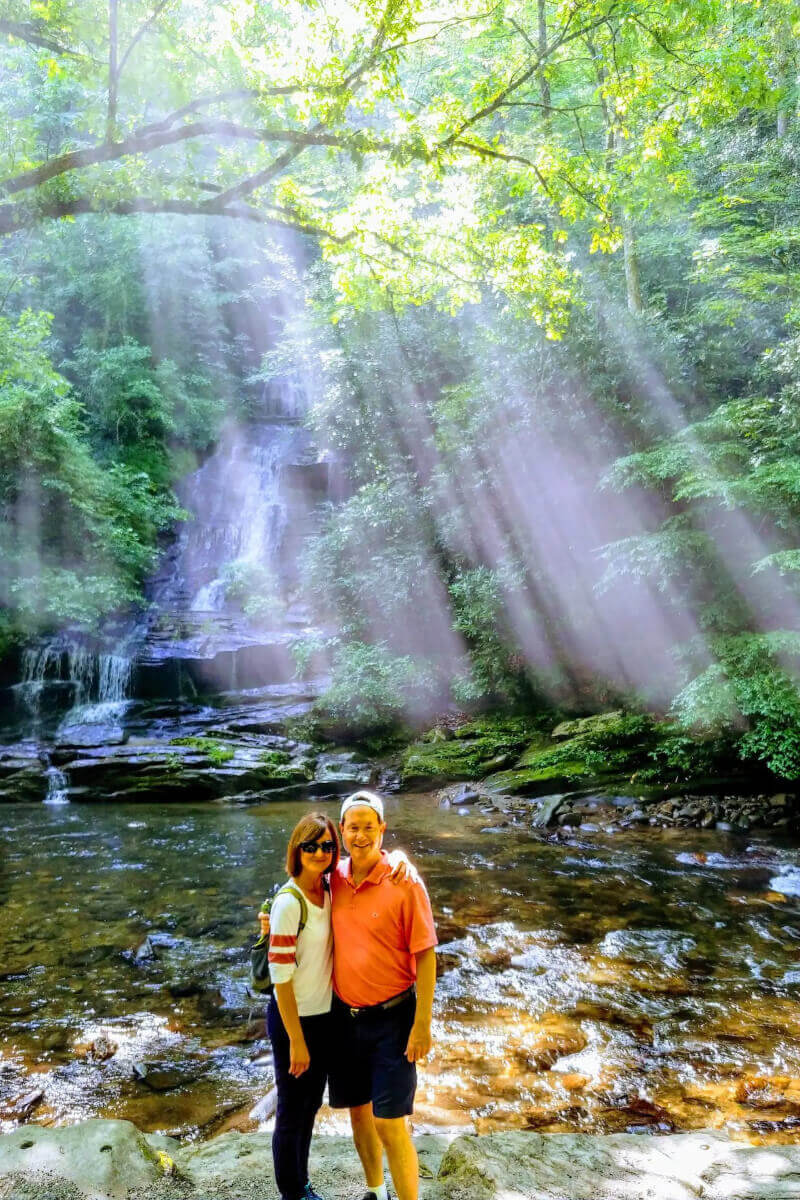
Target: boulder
(687, 1166)
(105, 1160)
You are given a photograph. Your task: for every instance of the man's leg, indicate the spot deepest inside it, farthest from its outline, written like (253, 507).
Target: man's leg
(368, 1144)
(395, 1136)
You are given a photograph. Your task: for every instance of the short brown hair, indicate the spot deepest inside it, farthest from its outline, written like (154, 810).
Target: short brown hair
(309, 829)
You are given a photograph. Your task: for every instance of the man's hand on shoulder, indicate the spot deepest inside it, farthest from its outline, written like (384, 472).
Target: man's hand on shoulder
(403, 870)
(419, 1041)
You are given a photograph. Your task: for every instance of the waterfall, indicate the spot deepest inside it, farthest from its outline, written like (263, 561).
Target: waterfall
(114, 677)
(239, 515)
(57, 784)
(95, 684)
(58, 661)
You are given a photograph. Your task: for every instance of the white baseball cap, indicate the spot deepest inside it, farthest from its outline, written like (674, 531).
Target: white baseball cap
(366, 799)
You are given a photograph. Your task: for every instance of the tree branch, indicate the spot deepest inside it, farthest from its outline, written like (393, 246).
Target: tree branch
(562, 39)
(16, 217)
(144, 144)
(28, 32)
(140, 32)
(488, 152)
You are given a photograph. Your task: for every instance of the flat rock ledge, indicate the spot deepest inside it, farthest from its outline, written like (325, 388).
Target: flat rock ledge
(112, 1160)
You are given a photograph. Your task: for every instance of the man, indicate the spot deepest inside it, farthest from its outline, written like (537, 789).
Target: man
(384, 974)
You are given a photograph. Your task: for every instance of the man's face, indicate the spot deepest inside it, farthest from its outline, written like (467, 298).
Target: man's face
(362, 833)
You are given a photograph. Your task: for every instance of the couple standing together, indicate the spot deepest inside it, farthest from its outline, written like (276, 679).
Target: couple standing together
(352, 963)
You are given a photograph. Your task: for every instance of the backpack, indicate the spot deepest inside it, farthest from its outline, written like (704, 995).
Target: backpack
(259, 952)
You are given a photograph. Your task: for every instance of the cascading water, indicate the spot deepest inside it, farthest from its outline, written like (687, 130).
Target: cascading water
(238, 517)
(55, 662)
(57, 784)
(70, 677)
(106, 704)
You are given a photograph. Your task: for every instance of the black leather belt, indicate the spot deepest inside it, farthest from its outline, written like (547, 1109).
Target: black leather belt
(392, 1002)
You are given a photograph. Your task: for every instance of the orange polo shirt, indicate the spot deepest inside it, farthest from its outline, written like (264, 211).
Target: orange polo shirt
(378, 929)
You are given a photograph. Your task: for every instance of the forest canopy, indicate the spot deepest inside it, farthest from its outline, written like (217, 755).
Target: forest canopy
(547, 254)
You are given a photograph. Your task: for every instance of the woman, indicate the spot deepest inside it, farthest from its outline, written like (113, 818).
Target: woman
(299, 1012)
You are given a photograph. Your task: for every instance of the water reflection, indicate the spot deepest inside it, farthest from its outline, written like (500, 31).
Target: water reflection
(600, 982)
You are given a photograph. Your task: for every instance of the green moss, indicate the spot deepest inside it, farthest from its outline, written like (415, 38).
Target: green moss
(622, 748)
(282, 769)
(536, 780)
(469, 752)
(275, 758)
(217, 752)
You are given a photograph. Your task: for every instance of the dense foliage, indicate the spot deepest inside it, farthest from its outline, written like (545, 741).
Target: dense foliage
(549, 255)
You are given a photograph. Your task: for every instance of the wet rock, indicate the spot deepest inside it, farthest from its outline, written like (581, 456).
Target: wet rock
(23, 775)
(571, 1081)
(547, 811)
(461, 795)
(466, 795)
(20, 1108)
(341, 771)
(540, 1050)
(163, 1077)
(146, 952)
(764, 1092)
(102, 1048)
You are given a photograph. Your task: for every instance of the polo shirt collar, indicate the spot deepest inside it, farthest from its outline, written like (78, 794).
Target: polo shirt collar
(378, 872)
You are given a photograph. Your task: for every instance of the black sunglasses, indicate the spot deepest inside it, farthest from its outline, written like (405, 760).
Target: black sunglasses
(327, 847)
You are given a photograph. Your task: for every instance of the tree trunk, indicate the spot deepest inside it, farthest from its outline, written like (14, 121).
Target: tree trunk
(632, 284)
(544, 84)
(113, 71)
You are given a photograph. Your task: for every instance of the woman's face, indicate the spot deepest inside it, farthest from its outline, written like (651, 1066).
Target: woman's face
(316, 853)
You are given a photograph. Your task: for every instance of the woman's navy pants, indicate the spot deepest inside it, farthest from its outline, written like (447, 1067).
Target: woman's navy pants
(299, 1098)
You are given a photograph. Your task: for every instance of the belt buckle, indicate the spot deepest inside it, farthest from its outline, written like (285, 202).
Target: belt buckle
(354, 1011)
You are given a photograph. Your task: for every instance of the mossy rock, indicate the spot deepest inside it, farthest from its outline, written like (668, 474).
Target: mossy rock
(476, 749)
(217, 752)
(533, 751)
(581, 726)
(539, 781)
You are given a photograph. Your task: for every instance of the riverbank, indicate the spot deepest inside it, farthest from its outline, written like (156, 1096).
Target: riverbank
(617, 769)
(112, 1160)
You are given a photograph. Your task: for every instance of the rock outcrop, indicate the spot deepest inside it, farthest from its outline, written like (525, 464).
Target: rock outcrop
(112, 1160)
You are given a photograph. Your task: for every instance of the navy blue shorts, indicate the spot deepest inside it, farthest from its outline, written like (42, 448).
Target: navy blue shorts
(369, 1061)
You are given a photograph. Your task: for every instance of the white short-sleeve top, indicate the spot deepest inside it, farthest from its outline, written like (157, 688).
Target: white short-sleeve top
(305, 958)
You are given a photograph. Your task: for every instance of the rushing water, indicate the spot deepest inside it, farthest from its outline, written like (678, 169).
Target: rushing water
(587, 981)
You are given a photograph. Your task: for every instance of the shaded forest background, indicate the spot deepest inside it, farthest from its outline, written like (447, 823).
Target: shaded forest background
(535, 266)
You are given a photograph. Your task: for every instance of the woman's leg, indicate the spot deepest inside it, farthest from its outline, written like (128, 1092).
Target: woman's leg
(317, 1031)
(291, 1118)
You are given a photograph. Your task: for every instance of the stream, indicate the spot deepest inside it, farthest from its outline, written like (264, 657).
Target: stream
(588, 981)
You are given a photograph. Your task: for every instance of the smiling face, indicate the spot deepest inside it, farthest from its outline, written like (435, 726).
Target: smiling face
(302, 853)
(362, 833)
(317, 860)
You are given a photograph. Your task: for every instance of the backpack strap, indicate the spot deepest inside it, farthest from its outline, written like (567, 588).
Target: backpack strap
(293, 890)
